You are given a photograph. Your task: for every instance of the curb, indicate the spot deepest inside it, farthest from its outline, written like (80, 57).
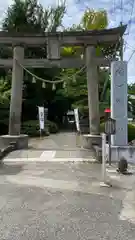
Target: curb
(7, 150)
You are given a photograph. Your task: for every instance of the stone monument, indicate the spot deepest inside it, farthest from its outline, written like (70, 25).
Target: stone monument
(119, 102)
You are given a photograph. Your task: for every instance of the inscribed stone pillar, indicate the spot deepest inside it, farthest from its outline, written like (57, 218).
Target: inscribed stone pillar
(119, 102)
(93, 94)
(16, 92)
(53, 49)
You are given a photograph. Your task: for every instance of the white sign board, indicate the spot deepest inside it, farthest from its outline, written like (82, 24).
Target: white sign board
(41, 117)
(119, 101)
(76, 113)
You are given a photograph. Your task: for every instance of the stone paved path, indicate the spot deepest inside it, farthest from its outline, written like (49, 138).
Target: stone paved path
(59, 147)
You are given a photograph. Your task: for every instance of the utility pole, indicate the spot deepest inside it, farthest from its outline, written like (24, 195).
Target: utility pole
(121, 45)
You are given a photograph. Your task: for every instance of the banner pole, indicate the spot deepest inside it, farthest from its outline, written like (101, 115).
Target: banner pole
(41, 119)
(40, 134)
(78, 134)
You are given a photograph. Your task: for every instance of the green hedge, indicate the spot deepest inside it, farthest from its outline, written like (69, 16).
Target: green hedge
(52, 127)
(131, 131)
(31, 128)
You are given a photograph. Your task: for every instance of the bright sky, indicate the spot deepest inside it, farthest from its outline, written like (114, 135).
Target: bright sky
(118, 10)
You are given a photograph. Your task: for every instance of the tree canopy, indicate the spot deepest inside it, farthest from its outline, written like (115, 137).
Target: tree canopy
(30, 16)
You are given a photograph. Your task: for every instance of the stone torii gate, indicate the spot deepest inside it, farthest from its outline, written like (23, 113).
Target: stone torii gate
(54, 41)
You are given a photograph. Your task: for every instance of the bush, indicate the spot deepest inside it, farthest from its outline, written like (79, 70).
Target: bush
(32, 128)
(3, 128)
(131, 131)
(52, 127)
(102, 127)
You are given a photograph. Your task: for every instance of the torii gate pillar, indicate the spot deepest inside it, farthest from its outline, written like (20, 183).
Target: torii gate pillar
(93, 99)
(16, 102)
(16, 92)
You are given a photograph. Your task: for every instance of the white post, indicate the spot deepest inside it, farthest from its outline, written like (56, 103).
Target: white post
(104, 157)
(104, 182)
(119, 102)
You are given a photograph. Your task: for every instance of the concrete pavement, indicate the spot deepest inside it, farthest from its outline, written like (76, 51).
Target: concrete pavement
(61, 201)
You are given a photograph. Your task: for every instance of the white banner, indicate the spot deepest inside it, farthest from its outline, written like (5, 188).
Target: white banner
(41, 117)
(76, 113)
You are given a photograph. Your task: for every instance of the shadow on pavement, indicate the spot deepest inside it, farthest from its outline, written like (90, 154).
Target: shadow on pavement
(8, 169)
